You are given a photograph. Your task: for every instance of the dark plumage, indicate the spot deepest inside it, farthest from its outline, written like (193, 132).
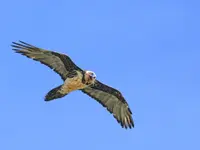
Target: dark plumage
(77, 79)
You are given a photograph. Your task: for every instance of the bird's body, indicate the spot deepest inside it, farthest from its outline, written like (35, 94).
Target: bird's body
(74, 78)
(74, 83)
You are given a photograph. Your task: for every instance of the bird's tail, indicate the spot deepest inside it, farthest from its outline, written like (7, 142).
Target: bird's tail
(54, 94)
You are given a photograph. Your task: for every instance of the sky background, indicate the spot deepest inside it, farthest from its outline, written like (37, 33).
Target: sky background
(149, 50)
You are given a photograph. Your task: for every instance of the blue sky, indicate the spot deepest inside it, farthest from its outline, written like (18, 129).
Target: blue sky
(149, 50)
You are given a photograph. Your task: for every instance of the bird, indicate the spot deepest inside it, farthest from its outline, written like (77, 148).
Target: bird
(74, 78)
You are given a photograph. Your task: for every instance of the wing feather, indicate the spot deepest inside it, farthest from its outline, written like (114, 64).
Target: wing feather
(113, 100)
(60, 63)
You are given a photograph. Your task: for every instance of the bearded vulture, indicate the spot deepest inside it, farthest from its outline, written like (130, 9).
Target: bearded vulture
(74, 78)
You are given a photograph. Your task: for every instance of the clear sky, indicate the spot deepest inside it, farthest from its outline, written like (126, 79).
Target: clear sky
(149, 50)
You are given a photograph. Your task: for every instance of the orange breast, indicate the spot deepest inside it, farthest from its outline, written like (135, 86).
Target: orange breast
(72, 84)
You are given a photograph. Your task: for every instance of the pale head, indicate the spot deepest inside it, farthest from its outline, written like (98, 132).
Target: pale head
(90, 76)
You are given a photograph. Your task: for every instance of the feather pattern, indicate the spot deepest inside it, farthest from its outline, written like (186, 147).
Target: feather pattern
(60, 63)
(113, 100)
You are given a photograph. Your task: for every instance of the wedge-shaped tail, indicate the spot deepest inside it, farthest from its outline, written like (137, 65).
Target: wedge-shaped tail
(54, 94)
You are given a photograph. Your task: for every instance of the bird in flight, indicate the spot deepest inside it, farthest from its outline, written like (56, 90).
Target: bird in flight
(75, 78)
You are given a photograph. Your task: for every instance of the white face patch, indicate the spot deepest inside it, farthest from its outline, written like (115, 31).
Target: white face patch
(91, 73)
(90, 77)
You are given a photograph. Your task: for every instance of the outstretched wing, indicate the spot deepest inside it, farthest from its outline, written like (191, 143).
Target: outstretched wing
(60, 63)
(113, 100)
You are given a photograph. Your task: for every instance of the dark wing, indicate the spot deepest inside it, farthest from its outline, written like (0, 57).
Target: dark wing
(113, 100)
(60, 63)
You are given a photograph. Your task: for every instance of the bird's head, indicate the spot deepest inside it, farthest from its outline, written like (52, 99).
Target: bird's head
(90, 76)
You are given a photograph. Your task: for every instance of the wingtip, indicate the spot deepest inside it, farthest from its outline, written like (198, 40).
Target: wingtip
(128, 125)
(15, 50)
(16, 42)
(20, 41)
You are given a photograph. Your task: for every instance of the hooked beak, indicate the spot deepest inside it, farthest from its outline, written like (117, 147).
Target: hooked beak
(92, 77)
